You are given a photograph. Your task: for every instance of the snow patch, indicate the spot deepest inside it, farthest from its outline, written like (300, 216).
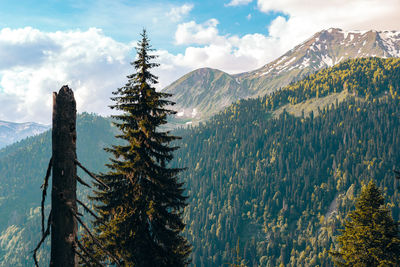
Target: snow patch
(327, 60)
(194, 112)
(265, 73)
(391, 41)
(339, 60)
(305, 63)
(280, 60)
(289, 62)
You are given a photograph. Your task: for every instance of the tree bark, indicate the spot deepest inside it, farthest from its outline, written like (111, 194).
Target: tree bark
(63, 196)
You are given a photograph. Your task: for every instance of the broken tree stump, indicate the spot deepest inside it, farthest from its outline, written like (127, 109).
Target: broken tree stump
(63, 196)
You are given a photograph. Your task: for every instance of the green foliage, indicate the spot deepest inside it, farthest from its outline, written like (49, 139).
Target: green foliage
(238, 261)
(370, 236)
(283, 186)
(140, 215)
(23, 167)
(363, 77)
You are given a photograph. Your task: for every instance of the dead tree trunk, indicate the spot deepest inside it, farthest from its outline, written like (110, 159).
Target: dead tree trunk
(63, 195)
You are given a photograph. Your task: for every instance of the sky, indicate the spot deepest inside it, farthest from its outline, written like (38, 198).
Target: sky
(89, 44)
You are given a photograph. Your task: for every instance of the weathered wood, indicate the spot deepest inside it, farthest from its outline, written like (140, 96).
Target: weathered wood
(44, 192)
(63, 196)
(44, 236)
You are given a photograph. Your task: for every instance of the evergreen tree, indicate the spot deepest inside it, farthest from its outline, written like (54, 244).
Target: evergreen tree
(140, 215)
(371, 236)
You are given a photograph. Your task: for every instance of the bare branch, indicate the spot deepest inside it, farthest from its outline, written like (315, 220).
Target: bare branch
(45, 234)
(82, 257)
(91, 174)
(90, 211)
(81, 247)
(93, 237)
(44, 190)
(82, 182)
(79, 214)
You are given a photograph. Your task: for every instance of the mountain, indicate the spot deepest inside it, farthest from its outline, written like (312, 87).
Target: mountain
(11, 132)
(277, 174)
(280, 184)
(203, 94)
(203, 89)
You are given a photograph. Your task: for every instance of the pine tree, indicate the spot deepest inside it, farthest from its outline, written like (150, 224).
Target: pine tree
(370, 236)
(140, 216)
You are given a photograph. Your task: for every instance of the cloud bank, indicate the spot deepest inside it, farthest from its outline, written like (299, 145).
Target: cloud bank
(34, 64)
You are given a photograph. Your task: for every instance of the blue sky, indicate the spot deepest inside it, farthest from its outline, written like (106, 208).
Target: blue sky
(88, 44)
(122, 20)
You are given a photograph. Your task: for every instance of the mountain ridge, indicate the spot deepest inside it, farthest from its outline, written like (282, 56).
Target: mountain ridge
(11, 132)
(324, 49)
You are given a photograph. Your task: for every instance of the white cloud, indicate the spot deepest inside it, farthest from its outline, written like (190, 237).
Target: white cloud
(238, 2)
(306, 17)
(232, 54)
(248, 17)
(301, 19)
(34, 63)
(92, 64)
(193, 33)
(177, 13)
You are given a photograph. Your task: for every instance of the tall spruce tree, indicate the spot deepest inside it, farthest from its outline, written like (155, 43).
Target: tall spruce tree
(370, 236)
(140, 216)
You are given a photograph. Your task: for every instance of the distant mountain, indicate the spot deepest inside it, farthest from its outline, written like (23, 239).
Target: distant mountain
(197, 92)
(204, 92)
(11, 132)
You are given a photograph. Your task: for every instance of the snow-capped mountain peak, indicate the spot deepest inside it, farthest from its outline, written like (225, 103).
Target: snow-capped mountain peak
(210, 91)
(330, 47)
(11, 132)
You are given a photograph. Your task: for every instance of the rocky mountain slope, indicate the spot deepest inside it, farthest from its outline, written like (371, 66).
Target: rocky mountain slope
(203, 92)
(11, 132)
(203, 88)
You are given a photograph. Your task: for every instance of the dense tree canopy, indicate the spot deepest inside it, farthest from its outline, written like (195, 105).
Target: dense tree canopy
(283, 184)
(370, 236)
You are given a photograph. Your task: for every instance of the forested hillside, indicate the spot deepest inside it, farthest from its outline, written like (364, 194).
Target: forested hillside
(22, 170)
(282, 186)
